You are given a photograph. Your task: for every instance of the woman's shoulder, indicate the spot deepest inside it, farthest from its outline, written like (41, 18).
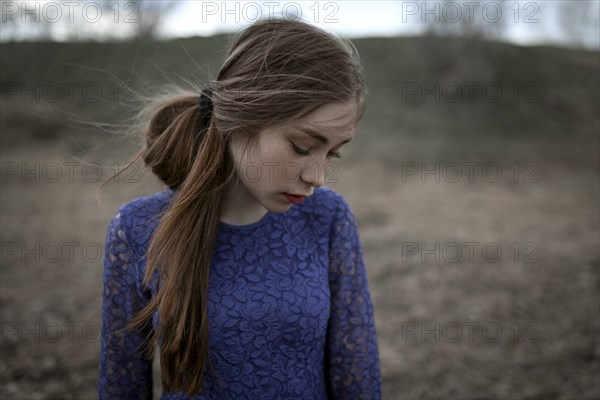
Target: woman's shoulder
(326, 200)
(145, 206)
(140, 216)
(325, 194)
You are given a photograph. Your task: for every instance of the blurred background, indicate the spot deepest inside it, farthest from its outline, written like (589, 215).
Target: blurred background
(473, 176)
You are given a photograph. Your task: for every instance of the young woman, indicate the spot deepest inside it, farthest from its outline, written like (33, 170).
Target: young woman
(246, 271)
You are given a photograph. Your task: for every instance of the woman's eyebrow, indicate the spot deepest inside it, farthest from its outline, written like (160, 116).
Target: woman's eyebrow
(317, 135)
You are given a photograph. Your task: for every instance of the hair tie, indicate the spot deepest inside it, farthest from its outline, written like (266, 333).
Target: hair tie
(205, 104)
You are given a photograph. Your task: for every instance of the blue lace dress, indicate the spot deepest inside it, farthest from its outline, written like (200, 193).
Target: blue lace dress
(289, 308)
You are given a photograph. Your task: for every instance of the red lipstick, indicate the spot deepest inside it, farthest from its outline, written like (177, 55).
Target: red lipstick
(294, 199)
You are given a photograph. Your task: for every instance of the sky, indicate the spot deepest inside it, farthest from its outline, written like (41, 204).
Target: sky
(523, 22)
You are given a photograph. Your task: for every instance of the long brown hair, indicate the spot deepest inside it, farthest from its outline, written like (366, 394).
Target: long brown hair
(276, 70)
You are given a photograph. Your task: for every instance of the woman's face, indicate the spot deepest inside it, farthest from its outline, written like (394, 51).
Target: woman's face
(294, 158)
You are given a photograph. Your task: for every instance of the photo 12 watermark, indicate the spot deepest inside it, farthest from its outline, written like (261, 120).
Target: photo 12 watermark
(469, 252)
(525, 172)
(53, 172)
(24, 332)
(38, 252)
(53, 12)
(290, 171)
(470, 12)
(251, 11)
(69, 92)
(422, 92)
(470, 332)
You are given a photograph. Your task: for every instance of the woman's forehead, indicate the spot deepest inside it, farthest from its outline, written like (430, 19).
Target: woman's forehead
(334, 115)
(334, 122)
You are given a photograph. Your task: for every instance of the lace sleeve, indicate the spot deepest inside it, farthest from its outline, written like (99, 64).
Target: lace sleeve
(351, 352)
(124, 372)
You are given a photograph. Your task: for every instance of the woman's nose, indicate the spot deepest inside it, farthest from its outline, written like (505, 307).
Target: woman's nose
(314, 174)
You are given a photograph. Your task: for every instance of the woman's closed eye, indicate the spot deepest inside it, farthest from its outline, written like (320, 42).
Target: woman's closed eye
(300, 151)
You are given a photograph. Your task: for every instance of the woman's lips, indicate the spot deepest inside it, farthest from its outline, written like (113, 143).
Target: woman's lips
(294, 199)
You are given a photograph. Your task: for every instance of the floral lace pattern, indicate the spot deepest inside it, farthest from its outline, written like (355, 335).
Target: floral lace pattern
(289, 308)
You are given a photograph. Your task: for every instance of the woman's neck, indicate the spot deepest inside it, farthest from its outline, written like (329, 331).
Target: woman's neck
(240, 207)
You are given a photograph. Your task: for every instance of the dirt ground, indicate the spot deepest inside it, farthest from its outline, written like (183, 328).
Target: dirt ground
(520, 324)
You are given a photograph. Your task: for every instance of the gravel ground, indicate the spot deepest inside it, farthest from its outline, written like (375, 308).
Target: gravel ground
(520, 324)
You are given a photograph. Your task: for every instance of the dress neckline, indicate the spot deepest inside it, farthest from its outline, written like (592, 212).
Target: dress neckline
(265, 218)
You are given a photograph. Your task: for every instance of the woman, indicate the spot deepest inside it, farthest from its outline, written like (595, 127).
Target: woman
(247, 272)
